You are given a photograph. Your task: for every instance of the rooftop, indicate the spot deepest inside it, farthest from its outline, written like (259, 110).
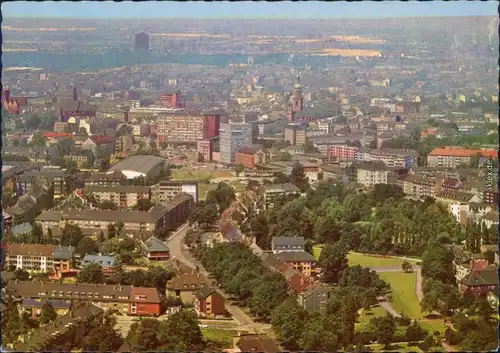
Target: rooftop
(138, 163)
(104, 261)
(294, 256)
(55, 251)
(154, 244)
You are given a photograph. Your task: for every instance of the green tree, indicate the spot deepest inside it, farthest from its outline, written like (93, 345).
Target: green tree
(406, 266)
(414, 332)
(12, 325)
(430, 301)
(201, 158)
(298, 177)
(87, 246)
(91, 274)
(143, 205)
(385, 327)
(181, 332)
(288, 320)
(47, 314)
(268, 295)
(49, 237)
(103, 337)
(37, 233)
(71, 235)
(333, 261)
(437, 263)
(316, 337)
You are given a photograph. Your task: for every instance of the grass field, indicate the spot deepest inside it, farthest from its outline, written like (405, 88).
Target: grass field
(404, 292)
(377, 311)
(366, 315)
(366, 260)
(405, 301)
(222, 339)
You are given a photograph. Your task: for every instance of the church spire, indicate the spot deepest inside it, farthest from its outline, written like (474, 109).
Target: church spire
(75, 96)
(297, 81)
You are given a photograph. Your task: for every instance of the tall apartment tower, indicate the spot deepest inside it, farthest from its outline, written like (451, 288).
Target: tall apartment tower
(233, 137)
(141, 41)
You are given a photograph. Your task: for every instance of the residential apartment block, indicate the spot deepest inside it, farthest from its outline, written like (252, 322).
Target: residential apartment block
(39, 258)
(167, 190)
(454, 157)
(180, 125)
(369, 173)
(342, 152)
(106, 180)
(121, 195)
(418, 186)
(126, 299)
(159, 219)
(391, 158)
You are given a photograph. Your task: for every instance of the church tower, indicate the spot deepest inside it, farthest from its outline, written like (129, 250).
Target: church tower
(298, 100)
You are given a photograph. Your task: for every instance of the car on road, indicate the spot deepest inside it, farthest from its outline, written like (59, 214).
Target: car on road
(203, 325)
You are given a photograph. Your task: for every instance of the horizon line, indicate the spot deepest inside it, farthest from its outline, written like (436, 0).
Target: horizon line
(236, 18)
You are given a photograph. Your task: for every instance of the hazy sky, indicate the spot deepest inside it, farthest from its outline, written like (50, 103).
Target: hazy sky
(309, 9)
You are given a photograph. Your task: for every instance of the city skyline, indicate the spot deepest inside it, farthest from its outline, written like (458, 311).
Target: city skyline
(282, 10)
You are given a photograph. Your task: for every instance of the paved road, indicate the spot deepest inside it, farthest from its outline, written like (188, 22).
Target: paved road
(175, 244)
(123, 324)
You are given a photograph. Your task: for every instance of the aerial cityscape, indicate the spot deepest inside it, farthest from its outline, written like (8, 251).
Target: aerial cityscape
(249, 177)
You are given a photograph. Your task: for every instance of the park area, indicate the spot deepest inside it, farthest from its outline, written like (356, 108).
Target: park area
(368, 260)
(405, 301)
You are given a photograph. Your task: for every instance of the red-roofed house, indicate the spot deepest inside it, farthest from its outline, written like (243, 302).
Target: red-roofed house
(144, 301)
(251, 157)
(449, 157)
(101, 146)
(451, 183)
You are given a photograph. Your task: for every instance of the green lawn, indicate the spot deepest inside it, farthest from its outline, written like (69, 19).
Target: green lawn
(223, 339)
(403, 292)
(366, 315)
(405, 301)
(366, 260)
(374, 261)
(376, 311)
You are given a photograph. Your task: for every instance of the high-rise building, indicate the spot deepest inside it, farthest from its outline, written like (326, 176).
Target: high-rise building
(141, 41)
(233, 137)
(172, 99)
(184, 126)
